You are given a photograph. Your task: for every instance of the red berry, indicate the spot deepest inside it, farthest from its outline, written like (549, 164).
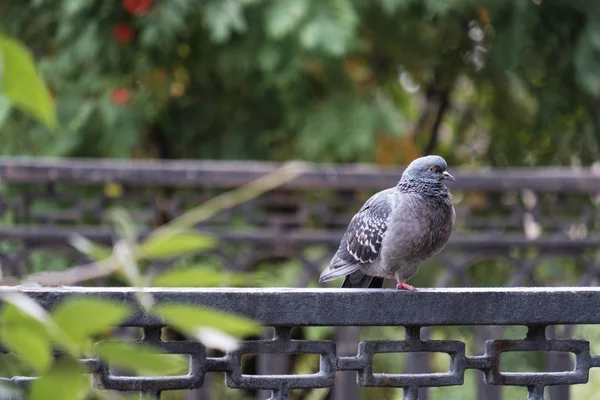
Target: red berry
(122, 33)
(137, 7)
(120, 96)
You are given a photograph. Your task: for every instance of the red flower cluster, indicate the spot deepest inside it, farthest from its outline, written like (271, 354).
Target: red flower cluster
(123, 32)
(137, 7)
(120, 96)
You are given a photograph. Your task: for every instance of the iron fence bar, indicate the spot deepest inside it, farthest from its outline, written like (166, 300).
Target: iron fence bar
(460, 240)
(284, 309)
(223, 174)
(363, 307)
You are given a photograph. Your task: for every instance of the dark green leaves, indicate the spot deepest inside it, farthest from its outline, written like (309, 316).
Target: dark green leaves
(296, 57)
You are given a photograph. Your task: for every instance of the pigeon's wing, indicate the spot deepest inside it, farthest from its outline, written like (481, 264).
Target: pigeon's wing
(361, 243)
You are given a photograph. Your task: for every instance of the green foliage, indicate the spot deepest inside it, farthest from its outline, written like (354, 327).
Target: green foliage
(81, 318)
(93, 250)
(65, 380)
(311, 79)
(263, 79)
(21, 312)
(201, 276)
(171, 245)
(142, 359)
(192, 318)
(21, 85)
(32, 333)
(26, 337)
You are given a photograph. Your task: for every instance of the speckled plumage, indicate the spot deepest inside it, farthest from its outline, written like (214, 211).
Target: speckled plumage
(397, 228)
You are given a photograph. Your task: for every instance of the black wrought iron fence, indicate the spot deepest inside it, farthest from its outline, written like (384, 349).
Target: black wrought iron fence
(522, 216)
(287, 309)
(528, 227)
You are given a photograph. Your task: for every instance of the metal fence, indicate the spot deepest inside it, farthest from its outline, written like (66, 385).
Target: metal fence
(287, 309)
(501, 214)
(515, 227)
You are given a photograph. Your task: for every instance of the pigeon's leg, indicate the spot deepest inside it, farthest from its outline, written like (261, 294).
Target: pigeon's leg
(404, 285)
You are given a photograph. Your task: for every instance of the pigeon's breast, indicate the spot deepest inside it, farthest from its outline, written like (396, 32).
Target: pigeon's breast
(439, 224)
(419, 228)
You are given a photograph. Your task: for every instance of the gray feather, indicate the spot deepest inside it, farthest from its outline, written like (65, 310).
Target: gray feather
(361, 243)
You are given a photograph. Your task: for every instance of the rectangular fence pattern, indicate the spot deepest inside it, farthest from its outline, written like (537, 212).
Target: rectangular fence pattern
(285, 309)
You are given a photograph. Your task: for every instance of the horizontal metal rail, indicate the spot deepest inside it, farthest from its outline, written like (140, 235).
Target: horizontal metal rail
(227, 174)
(363, 307)
(284, 309)
(479, 241)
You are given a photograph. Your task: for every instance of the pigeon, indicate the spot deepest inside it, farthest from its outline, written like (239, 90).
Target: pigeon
(397, 229)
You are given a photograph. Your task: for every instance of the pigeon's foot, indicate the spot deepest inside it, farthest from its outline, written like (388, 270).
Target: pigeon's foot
(404, 286)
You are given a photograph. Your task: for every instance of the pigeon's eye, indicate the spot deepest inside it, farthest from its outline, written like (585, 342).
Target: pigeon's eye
(431, 169)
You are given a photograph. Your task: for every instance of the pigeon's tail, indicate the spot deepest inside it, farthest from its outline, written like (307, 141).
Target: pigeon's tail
(359, 280)
(337, 268)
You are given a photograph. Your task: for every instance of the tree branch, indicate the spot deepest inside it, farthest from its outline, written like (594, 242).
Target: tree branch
(443, 100)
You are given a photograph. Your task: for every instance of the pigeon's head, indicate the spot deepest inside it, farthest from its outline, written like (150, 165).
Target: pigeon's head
(428, 168)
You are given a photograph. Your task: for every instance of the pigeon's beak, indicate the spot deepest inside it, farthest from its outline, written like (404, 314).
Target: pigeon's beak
(448, 177)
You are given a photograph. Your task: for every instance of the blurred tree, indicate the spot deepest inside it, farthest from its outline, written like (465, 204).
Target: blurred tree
(503, 81)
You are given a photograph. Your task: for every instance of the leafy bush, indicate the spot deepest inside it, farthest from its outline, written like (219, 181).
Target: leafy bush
(335, 80)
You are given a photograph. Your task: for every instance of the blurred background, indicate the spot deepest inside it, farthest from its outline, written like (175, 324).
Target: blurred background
(197, 97)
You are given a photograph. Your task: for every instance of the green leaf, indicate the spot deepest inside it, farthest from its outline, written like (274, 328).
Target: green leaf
(39, 320)
(26, 306)
(170, 245)
(26, 337)
(188, 277)
(268, 58)
(124, 225)
(5, 108)
(587, 61)
(318, 332)
(223, 18)
(391, 6)
(204, 277)
(32, 348)
(66, 380)
(141, 358)
(333, 29)
(83, 317)
(285, 16)
(70, 8)
(190, 319)
(95, 251)
(21, 83)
